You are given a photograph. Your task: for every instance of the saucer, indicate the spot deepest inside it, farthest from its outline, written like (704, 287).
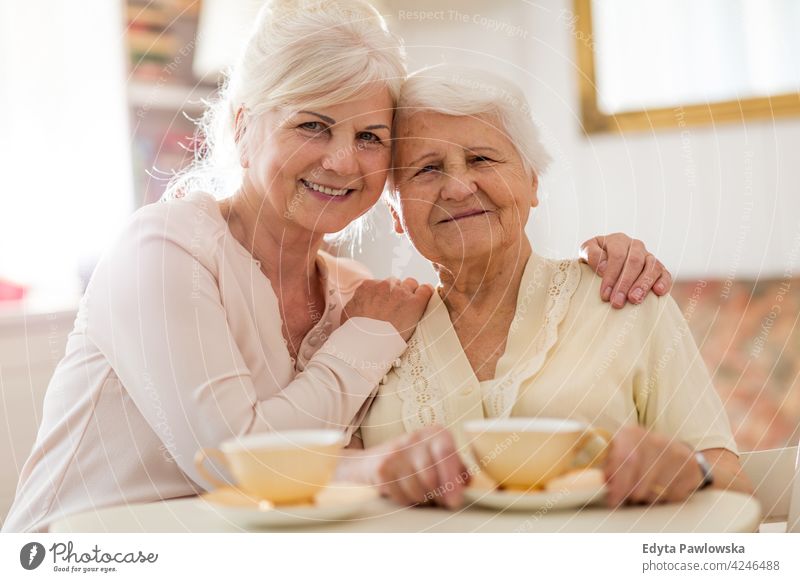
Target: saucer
(335, 502)
(536, 500)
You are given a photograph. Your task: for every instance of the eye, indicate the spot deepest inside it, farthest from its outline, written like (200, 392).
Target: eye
(368, 136)
(313, 126)
(481, 159)
(426, 170)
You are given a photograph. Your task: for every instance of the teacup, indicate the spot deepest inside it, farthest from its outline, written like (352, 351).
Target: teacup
(281, 467)
(525, 453)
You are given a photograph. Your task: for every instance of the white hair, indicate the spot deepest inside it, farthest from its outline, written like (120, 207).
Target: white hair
(301, 53)
(466, 91)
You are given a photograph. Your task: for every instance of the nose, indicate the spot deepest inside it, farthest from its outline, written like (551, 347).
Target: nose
(342, 159)
(458, 186)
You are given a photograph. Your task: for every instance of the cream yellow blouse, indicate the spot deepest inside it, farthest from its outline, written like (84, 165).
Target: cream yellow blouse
(568, 355)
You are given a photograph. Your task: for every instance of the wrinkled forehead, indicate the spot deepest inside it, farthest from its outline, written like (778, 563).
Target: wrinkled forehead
(419, 130)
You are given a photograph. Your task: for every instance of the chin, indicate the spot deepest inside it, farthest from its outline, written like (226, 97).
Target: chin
(326, 224)
(469, 249)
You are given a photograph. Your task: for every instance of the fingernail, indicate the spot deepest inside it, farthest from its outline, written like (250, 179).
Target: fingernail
(619, 299)
(607, 293)
(637, 295)
(660, 287)
(601, 268)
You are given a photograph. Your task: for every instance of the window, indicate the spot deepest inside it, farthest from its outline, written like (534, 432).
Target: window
(649, 63)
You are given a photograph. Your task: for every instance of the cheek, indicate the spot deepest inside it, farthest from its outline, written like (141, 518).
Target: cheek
(415, 212)
(508, 193)
(375, 164)
(375, 169)
(275, 162)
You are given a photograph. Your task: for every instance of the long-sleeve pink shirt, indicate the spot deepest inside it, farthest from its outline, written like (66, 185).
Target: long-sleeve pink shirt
(177, 345)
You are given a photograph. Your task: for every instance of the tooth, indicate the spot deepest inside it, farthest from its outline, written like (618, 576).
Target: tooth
(325, 189)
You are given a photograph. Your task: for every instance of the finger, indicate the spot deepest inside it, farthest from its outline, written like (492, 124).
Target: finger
(603, 264)
(616, 472)
(634, 265)
(389, 487)
(409, 484)
(664, 282)
(452, 474)
(425, 472)
(669, 483)
(665, 462)
(394, 492)
(593, 254)
(621, 468)
(424, 292)
(648, 487)
(410, 283)
(616, 253)
(641, 287)
(663, 487)
(453, 478)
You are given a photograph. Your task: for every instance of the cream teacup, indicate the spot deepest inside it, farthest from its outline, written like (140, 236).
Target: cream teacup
(523, 453)
(281, 467)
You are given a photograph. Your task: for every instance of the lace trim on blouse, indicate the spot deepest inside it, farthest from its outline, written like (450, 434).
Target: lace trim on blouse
(423, 395)
(501, 395)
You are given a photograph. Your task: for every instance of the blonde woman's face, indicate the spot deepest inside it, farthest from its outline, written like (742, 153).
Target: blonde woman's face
(323, 168)
(462, 189)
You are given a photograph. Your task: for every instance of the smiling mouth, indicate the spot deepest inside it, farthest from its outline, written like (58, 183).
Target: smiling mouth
(326, 192)
(463, 215)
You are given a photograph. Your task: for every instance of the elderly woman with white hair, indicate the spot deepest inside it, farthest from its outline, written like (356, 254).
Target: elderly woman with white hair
(512, 334)
(217, 314)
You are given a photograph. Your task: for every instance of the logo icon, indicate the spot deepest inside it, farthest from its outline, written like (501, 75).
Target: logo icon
(31, 555)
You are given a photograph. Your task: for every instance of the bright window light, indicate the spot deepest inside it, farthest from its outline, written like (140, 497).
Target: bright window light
(653, 54)
(66, 165)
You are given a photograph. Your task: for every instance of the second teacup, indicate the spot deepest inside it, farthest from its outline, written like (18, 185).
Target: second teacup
(524, 453)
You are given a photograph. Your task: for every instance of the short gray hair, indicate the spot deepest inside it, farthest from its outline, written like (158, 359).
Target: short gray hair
(466, 91)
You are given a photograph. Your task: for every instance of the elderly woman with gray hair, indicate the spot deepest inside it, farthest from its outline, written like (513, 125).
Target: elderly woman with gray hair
(512, 334)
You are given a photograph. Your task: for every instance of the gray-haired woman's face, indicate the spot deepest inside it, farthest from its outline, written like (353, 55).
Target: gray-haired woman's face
(463, 189)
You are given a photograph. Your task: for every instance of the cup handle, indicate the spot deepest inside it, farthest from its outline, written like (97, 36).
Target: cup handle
(199, 464)
(598, 438)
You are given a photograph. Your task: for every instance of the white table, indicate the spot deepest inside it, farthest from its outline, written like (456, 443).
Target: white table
(706, 511)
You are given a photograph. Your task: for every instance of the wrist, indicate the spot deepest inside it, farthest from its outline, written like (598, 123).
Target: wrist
(704, 467)
(354, 467)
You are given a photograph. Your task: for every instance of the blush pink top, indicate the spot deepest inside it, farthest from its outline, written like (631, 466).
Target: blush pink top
(177, 345)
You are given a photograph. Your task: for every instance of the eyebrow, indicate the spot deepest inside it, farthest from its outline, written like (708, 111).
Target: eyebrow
(325, 118)
(422, 157)
(469, 148)
(482, 148)
(332, 121)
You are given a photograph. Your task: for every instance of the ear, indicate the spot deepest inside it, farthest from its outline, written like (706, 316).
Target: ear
(535, 191)
(398, 225)
(239, 129)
